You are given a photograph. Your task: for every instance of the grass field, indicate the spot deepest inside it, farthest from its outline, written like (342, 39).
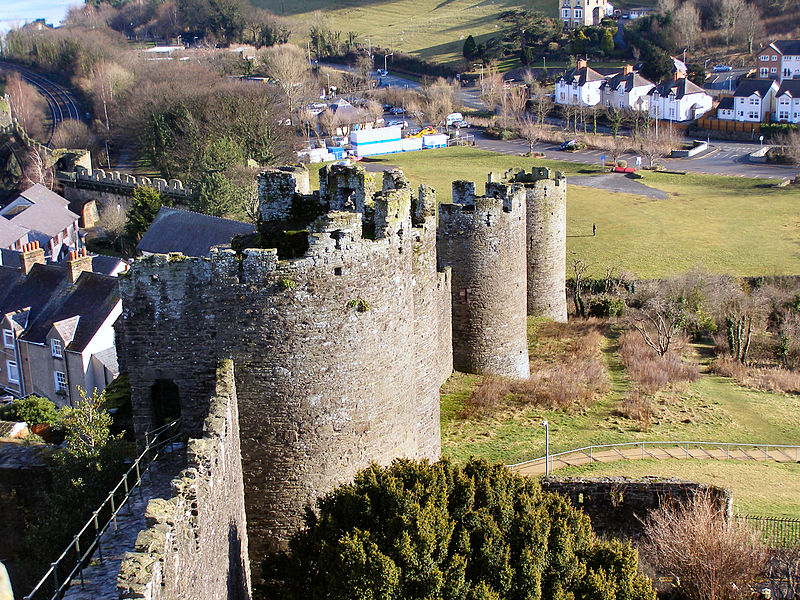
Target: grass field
(432, 30)
(723, 224)
(758, 488)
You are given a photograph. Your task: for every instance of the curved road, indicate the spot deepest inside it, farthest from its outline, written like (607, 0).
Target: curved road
(61, 102)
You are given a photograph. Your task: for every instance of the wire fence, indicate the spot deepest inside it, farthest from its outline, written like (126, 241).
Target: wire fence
(79, 552)
(774, 532)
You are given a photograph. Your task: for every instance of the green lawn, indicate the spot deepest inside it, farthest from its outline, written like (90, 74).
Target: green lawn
(758, 488)
(432, 30)
(731, 225)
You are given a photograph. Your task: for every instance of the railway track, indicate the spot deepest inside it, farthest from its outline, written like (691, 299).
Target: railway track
(61, 102)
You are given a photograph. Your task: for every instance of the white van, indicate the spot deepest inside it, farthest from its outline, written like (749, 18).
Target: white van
(454, 117)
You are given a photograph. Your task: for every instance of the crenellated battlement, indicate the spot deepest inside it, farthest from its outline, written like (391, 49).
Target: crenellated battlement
(127, 183)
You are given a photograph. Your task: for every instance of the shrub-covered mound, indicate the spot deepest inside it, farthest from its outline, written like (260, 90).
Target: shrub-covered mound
(478, 531)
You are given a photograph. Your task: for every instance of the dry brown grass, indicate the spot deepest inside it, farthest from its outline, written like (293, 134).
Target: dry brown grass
(768, 379)
(638, 407)
(567, 371)
(650, 372)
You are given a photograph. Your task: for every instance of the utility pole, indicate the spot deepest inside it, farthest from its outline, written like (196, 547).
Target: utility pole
(546, 426)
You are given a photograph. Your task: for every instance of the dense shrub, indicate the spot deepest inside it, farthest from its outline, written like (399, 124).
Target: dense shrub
(606, 306)
(415, 530)
(650, 372)
(769, 379)
(33, 410)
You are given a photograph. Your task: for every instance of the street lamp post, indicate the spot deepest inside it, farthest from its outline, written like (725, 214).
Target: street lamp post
(369, 46)
(385, 56)
(546, 426)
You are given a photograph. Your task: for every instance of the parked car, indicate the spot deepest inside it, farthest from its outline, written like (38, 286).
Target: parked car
(429, 131)
(396, 110)
(722, 68)
(571, 146)
(460, 124)
(382, 72)
(396, 123)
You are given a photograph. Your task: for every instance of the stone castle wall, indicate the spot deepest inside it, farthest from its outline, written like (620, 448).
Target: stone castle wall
(196, 545)
(546, 222)
(482, 239)
(618, 506)
(329, 348)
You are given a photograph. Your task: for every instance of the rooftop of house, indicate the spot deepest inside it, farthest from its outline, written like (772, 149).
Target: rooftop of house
(679, 86)
(790, 87)
(757, 87)
(10, 233)
(190, 233)
(629, 80)
(581, 75)
(51, 300)
(786, 47)
(39, 209)
(726, 103)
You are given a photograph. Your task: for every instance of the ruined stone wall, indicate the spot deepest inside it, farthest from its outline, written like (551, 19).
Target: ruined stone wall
(617, 505)
(482, 239)
(167, 332)
(546, 222)
(196, 545)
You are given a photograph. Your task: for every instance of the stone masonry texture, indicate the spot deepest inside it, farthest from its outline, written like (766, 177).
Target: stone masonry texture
(195, 546)
(482, 239)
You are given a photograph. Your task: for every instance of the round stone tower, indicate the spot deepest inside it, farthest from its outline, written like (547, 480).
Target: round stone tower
(482, 239)
(546, 216)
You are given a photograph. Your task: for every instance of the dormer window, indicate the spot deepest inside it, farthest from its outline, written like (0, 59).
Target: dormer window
(57, 348)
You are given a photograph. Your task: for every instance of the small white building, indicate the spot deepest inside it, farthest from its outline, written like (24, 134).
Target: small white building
(754, 100)
(787, 102)
(580, 86)
(583, 13)
(725, 110)
(678, 99)
(627, 90)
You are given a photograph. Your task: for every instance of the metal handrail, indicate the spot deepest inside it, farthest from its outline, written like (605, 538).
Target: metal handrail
(155, 441)
(642, 444)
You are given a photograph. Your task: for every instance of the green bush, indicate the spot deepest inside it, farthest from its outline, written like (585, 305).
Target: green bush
(773, 129)
(416, 530)
(33, 410)
(607, 306)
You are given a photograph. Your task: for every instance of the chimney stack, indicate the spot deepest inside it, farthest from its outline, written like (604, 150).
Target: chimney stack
(31, 254)
(582, 64)
(78, 263)
(627, 69)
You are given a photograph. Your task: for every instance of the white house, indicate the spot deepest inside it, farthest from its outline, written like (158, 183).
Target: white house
(754, 100)
(780, 60)
(626, 90)
(787, 102)
(580, 86)
(725, 110)
(583, 13)
(678, 99)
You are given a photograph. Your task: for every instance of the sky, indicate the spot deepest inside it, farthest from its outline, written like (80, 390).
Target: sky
(14, 13)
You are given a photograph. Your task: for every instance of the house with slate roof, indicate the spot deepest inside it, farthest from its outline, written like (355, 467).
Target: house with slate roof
(39, 215)
(627, 90)
(787, 102)
(579, 86)
(678, 99)
(190, 233)
(754, 101)
(780, 60)
(725, 108)
(56, 322)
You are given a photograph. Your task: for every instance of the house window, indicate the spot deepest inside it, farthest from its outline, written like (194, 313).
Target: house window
(784, 114)
(578, 13)
(764, 58)
(57, 348)
(741, 113)
(753, 100)
(763, 72)
(787, 72)
(752, 115)
(60, 380)
(773, 70)
(565, 13)
(13, 371)
(8, 338)
(672, 112)
(774, 57)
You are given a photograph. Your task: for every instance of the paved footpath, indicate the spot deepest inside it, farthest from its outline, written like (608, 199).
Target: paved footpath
(720, 452)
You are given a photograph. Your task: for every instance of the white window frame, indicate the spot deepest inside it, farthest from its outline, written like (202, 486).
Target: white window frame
(763, 71)
(57, 348)
(578, 13)
(565, 13)
(11, 367)
(773, 70)
(774, 57)
(61, 386)
(8, 338)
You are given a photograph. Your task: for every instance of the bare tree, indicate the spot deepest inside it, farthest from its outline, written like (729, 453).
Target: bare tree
(653, 146)
(329, 121)
(686, 19)
(752, 27)
(27, 106)
(659, 320)
(790, 143)
(492, 87)
(35, 169)
(727, 16)
(288, 64)
(712, 558)
(72, 134)
(530, 131)
(579, 270)
(541, 102)
(373, 110)
(439, 100)
(113, 218)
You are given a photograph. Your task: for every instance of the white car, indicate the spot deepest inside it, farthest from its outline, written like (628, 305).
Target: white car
(396, 123)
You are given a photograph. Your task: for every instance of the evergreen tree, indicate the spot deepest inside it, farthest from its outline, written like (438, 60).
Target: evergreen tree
(579, 43)
(607, 42)
(145, 204)
(470, 48)
(416, 530)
